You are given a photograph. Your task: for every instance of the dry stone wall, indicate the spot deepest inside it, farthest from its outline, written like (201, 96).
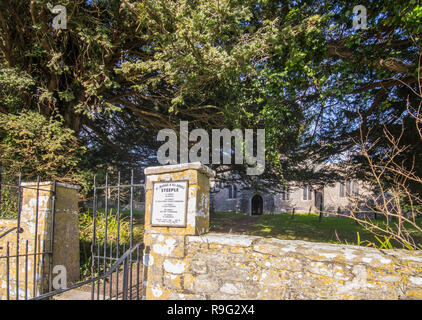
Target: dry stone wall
(224, 266)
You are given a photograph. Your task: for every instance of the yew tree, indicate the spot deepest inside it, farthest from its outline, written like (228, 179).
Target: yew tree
(123, 69)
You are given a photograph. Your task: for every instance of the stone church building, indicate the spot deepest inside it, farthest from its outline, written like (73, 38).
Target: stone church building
(338, 197)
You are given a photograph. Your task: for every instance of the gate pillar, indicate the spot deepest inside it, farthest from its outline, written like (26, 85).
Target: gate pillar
(176, 206)
(48, 238)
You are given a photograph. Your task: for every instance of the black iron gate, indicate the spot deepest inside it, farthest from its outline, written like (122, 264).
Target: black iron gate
(109, 245)
(116, 246)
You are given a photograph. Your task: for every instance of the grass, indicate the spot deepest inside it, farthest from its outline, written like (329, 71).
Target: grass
(308, 228)
(223, 219)
(303, 227)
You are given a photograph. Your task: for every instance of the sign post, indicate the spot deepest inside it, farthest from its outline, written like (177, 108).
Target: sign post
(177, 202)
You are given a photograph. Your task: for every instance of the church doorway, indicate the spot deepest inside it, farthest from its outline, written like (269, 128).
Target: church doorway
(257, 205)
(319, 200)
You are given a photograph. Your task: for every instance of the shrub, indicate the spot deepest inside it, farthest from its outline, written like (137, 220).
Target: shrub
(86, 225)
(38, 146)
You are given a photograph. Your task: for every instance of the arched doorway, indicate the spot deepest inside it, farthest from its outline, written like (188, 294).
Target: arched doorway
(319, 200)
(257, 205)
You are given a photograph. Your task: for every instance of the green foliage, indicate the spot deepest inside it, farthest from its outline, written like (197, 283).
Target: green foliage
(125, 69)
(34, 145)
(70, 76)
(114, 229)
(86, 222)
(9, 202)
(13, 83)
(382, 244)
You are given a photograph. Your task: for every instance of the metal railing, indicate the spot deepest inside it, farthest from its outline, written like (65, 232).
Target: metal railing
(114, 276)
(125, 260)
(105, 250)
(107, 262)
(10, 230)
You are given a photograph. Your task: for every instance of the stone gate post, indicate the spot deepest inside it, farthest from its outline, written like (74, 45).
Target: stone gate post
(38, 230)
(176, 206)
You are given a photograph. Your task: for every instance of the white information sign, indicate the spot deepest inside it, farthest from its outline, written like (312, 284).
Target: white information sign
(169, 203)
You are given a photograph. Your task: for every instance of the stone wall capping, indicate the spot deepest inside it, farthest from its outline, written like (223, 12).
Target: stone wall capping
(225, 239)
(180, 167)
(50, 183)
